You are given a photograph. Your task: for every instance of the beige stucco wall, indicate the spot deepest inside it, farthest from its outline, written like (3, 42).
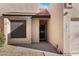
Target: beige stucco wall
(74, 36)
(71, 43)
(35, 30)
(18, 7)
(6, 29)
(66, 32)
(76, 9)
(55, 26)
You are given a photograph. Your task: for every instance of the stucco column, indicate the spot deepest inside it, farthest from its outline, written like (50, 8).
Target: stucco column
(28, 29)
(6, 29)
(35, 30)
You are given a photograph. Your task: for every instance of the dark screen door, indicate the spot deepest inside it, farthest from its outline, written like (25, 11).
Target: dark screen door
(42, 32)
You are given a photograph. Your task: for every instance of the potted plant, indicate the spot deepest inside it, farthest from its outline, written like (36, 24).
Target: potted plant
(2, 39)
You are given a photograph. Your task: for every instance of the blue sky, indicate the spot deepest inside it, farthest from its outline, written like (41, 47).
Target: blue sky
(44, 4)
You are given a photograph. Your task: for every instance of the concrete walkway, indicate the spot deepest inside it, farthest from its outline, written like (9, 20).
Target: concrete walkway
(21, 51)
(43, 46)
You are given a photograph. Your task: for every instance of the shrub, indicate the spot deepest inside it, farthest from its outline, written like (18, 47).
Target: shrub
(2, 39)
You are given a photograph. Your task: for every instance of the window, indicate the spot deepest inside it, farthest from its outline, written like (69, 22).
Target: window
(18, 28)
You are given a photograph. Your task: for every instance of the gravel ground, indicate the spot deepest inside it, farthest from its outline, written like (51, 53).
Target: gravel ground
(20, 51)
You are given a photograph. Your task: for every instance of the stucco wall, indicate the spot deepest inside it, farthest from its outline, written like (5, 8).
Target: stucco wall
(55, 26)
(74, 36)
(76, 9)
(71, 42)
(66, 31)
(6, 32)
(35, 30)
(18, 7)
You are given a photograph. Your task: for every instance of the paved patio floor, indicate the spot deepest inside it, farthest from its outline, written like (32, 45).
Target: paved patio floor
(43, 46)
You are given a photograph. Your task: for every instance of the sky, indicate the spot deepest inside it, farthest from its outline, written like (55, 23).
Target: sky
(44, 4)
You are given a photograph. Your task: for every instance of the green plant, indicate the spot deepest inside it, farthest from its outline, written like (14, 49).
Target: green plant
(2, 39)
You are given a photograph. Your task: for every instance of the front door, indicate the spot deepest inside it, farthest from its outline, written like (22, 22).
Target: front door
(43, 31)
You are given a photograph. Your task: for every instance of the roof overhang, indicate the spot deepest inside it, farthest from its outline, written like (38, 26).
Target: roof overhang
(34, 15)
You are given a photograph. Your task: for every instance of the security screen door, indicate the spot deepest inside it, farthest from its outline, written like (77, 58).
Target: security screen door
(18, 28)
